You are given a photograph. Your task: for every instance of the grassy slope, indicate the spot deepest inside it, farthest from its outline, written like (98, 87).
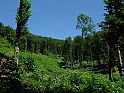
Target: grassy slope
(6, 48)
(49, 77)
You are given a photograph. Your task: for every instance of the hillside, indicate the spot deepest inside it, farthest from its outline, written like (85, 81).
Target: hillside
(90, 60)
(41, 74)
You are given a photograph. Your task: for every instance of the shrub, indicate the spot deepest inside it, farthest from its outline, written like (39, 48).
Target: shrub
(27, 62)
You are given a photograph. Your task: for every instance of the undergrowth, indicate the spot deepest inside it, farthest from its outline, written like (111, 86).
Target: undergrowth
(43, 74)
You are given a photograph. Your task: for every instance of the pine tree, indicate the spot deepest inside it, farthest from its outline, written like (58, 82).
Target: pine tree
(113, 24)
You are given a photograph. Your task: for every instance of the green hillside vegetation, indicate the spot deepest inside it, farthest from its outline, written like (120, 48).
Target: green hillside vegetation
(6, 48)
(88, 63)
(42, 74)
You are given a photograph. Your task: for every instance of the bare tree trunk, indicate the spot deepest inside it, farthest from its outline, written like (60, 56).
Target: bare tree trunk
(18, 31)
(79, 57)
(25, 44)
(61, 53)
(91, 56)
(90, 53)
(120, 62)
(72, 57)
(110, 63)
(110, 73)
(17, 54)
(81, 51)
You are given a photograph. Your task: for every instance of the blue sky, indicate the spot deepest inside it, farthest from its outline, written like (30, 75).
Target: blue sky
(53, 18)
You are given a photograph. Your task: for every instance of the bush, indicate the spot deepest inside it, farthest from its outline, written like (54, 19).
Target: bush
(27, 62)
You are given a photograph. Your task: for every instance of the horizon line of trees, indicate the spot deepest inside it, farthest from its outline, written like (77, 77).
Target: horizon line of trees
(95, 47)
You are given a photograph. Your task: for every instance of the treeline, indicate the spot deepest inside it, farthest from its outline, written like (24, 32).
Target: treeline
(32, 43)
(95, 50)
(95, 47)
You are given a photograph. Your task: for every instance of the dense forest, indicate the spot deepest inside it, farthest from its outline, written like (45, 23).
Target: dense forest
(88, 63)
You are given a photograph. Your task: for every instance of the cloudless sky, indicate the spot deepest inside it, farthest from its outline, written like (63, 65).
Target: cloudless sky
(53, 18)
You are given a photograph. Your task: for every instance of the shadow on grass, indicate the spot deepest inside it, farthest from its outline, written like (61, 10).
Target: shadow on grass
(15, 86)
(102, 69)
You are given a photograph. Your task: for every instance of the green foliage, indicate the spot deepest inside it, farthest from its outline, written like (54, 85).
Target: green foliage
(22, 16)
(6, 48)
(85, 24)
(119, 81)
(77, 48)
(48, 77)
(43, 73)
(27, 61)
(67, 51)
(24, 12)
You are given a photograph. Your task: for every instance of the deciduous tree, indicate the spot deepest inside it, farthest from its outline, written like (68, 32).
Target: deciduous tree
(85, 24)
(22, 16)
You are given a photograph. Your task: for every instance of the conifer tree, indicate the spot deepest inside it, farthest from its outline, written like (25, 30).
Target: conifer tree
(113, 23)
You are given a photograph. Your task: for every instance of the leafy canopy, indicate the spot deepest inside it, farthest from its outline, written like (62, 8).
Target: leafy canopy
(85, 24)
(23, 12)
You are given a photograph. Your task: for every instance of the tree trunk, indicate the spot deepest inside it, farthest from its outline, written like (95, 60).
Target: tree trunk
(91, 57)
(17, 54)
(110, 73)
(110, 63)
(61, 53)
(18, 31)
(120, 67)
(98, 60)
(17, 51)
(81, 51)
(25, 44)
(79, 57)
